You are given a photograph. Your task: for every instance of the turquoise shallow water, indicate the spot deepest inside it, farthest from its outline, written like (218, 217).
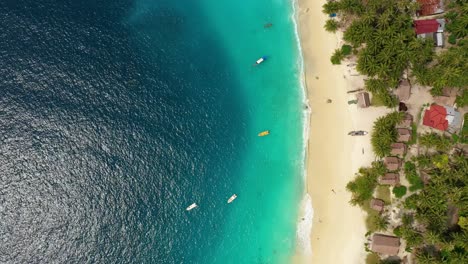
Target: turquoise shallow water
(118, 114)
(261, 226)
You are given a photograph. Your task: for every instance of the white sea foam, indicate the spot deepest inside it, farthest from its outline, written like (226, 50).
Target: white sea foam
(304, 227)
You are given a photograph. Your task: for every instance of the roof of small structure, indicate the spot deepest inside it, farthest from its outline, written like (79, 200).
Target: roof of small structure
(390, 178)
(363, 99)
(407, 120)
(398, 149)
(377, 204)
(388, 245)
(435, 117)
(392, 163)
(403, 91)
(426, 26)
(429, 7)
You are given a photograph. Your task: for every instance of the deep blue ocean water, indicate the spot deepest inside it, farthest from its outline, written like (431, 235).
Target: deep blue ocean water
(116, 115)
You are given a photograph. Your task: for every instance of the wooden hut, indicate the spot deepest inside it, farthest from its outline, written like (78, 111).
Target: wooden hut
(387, 245)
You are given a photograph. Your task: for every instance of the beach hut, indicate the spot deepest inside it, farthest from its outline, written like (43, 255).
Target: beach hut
(407, 120)
(392, 163)
(398, 149)
(404, 135)
(387, 245)
(363, 99)
(390, 179)
(403, 91)
(377, 205)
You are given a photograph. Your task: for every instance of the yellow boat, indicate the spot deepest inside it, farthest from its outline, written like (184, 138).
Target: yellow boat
(264, 133)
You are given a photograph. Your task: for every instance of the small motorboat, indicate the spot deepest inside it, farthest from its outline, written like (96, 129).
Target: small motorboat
(262, 59)
(264, 133)
(190, 207)
(232, 198)
(358, 133)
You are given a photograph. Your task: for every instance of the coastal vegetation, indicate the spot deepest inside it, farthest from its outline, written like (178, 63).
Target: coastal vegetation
(386, 46)
(433, 220)
(362, 188)
(384, 133)
(427, 201)
(331, 25)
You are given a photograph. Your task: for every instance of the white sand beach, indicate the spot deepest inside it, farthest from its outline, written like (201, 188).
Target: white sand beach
(333, 157)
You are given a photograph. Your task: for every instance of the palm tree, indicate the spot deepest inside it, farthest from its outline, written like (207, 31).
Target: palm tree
(337, 56)
(331, 7)
(331, 25)
(380, 222)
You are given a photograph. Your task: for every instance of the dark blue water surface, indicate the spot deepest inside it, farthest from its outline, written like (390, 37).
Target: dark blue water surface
(112, 121)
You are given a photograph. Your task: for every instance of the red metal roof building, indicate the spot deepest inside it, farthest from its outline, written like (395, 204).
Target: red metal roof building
(435, 117)
(426, 26)
(430, 7)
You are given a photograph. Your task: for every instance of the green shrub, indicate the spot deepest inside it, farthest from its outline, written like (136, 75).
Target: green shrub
(346, 49)
(397, 231)
(399, 191)
(337, 57)
(452, 39)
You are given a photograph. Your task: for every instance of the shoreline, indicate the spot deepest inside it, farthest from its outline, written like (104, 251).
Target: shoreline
(329, 152)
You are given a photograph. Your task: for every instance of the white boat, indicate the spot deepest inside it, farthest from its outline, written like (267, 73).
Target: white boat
(262, 59)
(232, 198)
(191, 206)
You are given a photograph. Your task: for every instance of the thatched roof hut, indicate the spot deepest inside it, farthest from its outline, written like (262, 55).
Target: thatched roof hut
(404, 135)
(398, 149)
(392, 163)
(390, 179)
(403, 91)
(377, 205)
(387, 245)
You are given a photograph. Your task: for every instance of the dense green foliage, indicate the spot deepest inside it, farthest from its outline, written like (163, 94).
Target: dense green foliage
(436, 141)
(399, 191)
(384, 133)
(362, 187)
(412, 176)
(434, 206)
(458, 19)
(331, 25)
